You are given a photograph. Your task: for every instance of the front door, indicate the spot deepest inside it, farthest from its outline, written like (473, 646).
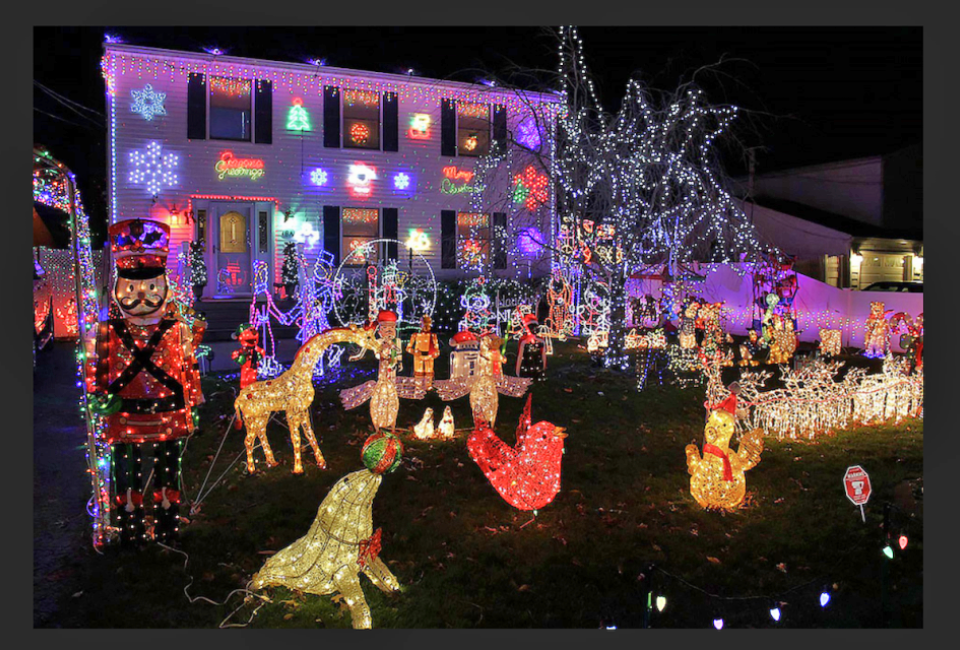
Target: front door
(232, 248)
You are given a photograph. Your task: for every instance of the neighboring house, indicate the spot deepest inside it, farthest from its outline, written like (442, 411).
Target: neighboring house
(245, 155)
(850, 223)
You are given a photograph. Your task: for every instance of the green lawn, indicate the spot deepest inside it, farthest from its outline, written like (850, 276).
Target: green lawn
(467, 559)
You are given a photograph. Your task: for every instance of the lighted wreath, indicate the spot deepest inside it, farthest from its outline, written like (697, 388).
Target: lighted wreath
(359, 133)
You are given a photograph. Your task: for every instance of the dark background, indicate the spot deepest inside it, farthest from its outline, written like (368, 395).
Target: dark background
(811, 94)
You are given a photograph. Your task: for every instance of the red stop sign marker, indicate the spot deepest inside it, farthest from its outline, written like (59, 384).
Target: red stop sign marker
(856, 483)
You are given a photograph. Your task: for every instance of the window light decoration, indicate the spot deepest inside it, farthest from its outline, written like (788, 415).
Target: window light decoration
(717, 478)
(153, 168)
(297, 117)
(306, 234)
(360, 179)
(341, 544)
(359, 133)
(385, 391)
(488, 381)
(526, 475)
(147, 102)
(528, 133)
(417, 240)
(531, 188)
(293, 392)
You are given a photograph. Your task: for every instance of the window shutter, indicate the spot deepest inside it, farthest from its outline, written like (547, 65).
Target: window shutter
(500, 125)
(263, 112)
(448, 128)
(499, 235)
(391, 136)
(196, 106)
(390, 230)
(331, 232)
(331, 117)
(448, 239)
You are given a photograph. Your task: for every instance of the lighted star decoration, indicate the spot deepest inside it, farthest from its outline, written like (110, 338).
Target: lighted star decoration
(307, 235)
(401, 181)
(153, 168)
(148, 102)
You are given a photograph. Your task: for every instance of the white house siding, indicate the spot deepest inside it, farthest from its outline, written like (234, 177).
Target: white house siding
(291, 157)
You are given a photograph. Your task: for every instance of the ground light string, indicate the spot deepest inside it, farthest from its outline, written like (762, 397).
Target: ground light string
(775, 598)
(249, 594)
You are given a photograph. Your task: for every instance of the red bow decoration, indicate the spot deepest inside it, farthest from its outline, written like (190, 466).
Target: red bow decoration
(173, 496)
(369, 549)
(135, 497)
(716, 451)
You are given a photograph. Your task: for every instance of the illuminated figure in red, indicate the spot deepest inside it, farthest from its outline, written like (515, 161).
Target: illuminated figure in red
(145, 380)
(249, 355)
(532, 353)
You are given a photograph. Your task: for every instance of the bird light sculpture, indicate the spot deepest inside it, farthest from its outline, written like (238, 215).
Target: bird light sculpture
(424, 429)
(292, 392)
(384, 393)
(341, 545)
(446, 428)
(717, 478)
(526, 475)
(486, 383)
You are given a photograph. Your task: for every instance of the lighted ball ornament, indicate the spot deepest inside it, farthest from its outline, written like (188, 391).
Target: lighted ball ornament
(717, 478)
(341, 544)
(527, 474)
(293, 393)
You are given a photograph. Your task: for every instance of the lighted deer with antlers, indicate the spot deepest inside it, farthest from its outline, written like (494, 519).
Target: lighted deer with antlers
(293, 392)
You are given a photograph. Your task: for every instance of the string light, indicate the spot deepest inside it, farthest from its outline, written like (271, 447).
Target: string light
(824, 598)
(147, 102)
(153, 168)
(293, 393)
(341, 544)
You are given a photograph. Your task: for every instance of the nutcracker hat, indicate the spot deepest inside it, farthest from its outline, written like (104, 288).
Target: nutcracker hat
(386, 317)
(139, 247)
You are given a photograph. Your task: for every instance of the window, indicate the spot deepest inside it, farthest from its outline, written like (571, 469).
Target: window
(473, 240)
(233, 233)
(361, 119)
(360, 226)
(473, 129)
(230, 109)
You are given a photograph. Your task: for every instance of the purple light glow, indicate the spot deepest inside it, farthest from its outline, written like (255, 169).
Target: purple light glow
(530, 241)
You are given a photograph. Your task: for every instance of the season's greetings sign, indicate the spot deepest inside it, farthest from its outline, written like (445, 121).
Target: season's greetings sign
(230, 166)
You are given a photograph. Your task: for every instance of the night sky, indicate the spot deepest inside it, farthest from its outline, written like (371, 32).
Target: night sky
(819, 94)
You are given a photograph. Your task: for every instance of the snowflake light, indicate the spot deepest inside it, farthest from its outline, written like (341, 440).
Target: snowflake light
(147, 102)
(401, 181)
(153, 168)
(318, 177)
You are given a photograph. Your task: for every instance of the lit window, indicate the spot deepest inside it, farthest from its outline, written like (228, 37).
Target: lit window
(361, 119)
(360, 226)
(473, 129)
(473, 240)
(230, 112)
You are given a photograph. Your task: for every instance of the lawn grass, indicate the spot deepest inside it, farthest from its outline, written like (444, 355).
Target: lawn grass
(466, 558)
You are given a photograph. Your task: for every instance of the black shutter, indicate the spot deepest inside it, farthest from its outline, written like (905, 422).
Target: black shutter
(391, 139)
(263, 112)
(331, 232)
(500, 125)
(499, 236)
(331, 117)
(448, 239)
(391, 228)
(196, 106)
(448, 128)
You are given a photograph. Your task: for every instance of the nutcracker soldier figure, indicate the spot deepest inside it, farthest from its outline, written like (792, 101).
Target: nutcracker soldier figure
(532, 353)
(425, 348)
(145, 380)
(249, 355)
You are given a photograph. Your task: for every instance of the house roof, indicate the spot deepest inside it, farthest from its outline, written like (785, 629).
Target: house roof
(835, 221)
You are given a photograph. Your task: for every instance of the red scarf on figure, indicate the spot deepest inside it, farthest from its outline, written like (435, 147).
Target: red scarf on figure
(716, 451)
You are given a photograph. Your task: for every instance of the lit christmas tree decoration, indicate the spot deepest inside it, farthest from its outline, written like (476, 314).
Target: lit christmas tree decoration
(717, 478)
(147, 102)
(293, 393)
(341, 544)
(526, 475)
(297, 118)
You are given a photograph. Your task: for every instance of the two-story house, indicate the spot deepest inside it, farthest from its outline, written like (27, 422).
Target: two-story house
(244, 155)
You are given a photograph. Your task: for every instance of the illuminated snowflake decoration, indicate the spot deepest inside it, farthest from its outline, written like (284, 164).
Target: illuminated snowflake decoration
(319, 177)
(528, 134)
(153, 168)
(401, 181)
(307, 235)
(148, 102)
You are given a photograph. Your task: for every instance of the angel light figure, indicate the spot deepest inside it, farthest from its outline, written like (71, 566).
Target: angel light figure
(384, 393)
(486, 383)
